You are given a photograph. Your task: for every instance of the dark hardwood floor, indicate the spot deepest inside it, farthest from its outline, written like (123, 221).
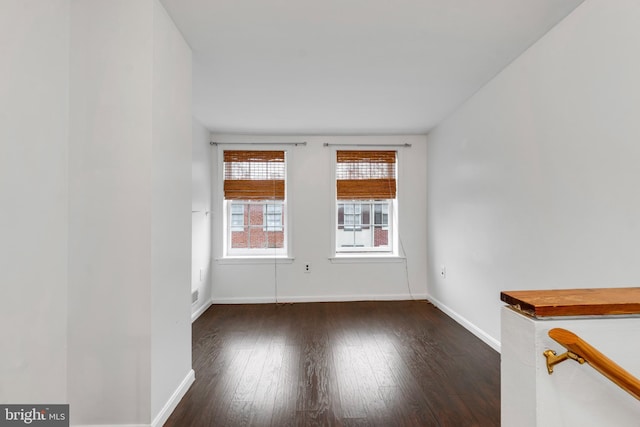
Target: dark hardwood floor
(391, 363)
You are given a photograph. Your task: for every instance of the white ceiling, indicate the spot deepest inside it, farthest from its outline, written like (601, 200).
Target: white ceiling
(349, 66)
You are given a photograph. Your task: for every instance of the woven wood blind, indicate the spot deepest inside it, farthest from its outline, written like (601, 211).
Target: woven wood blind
(366, 175)
(254, 175)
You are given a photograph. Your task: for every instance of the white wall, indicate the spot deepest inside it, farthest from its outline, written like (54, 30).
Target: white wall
(110, 183)
(201, 217)
(170, 217)
(533, 182)
(129, 343)
(95, 168)
(311, 207)
(34, 85)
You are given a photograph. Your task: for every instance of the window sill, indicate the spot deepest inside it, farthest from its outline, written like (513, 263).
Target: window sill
(364, 258)
(255, 260)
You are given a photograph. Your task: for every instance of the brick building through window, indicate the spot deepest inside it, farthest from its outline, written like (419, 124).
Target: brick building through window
(256, 225)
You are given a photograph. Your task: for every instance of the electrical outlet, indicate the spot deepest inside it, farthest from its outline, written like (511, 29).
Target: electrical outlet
(443, 271)
(307, 267)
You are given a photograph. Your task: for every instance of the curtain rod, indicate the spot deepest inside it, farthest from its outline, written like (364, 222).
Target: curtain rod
(326, 144)
(259, 143)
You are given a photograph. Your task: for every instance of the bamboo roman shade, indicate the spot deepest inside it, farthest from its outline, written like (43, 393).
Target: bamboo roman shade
(254, 175)
(366, 175)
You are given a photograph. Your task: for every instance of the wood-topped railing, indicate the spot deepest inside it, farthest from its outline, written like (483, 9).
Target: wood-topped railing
(574, 303)
(581, 351)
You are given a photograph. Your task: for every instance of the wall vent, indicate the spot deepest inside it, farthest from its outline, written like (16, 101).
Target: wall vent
(194, 296)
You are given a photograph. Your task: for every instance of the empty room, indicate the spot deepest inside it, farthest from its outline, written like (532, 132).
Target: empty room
(319, 213)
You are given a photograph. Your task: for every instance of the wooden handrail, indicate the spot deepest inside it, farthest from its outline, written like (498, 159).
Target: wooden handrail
(597, 360)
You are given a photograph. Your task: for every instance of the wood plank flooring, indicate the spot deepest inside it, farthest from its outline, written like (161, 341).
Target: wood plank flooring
(391, 363)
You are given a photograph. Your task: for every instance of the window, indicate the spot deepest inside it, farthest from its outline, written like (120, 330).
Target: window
(365, 201)
(255, 203)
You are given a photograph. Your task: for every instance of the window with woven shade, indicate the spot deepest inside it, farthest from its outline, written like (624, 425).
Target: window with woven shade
(366, 188)
(254, 175)
(255, 202)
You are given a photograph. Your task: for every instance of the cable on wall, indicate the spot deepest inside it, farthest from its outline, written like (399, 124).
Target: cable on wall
(275, 250)
(406, 269)
(404, 253)
(390, 182)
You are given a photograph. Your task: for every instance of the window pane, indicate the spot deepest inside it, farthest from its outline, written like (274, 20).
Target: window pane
(365, 214)
(240, 237)
(256, 225)
(351, 215)
(255, 214)
(377, 216)
(381, 215)
(273, 217)
(237, 216)
(363, 225)
(340, 215)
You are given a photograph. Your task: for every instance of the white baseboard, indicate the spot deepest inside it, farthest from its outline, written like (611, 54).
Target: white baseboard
(173, 401)
(243, 300)
(347, 298)
(323, 298)
(488, 339)
(166, 411)
(201, 310)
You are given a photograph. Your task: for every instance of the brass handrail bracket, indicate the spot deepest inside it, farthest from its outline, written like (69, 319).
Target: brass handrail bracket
(582, 351)
(553, 359)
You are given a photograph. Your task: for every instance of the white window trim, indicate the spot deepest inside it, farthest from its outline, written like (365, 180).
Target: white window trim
(258, 260)
(358, 258)
(222, 206)
(373, 254)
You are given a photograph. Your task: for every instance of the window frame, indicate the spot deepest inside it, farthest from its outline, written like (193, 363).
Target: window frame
(226, 251)
(390, 251)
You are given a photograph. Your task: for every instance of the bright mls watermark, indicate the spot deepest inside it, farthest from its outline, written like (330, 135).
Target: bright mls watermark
(34, 415)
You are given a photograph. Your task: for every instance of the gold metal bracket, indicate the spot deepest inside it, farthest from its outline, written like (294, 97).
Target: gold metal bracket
(553, 359)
